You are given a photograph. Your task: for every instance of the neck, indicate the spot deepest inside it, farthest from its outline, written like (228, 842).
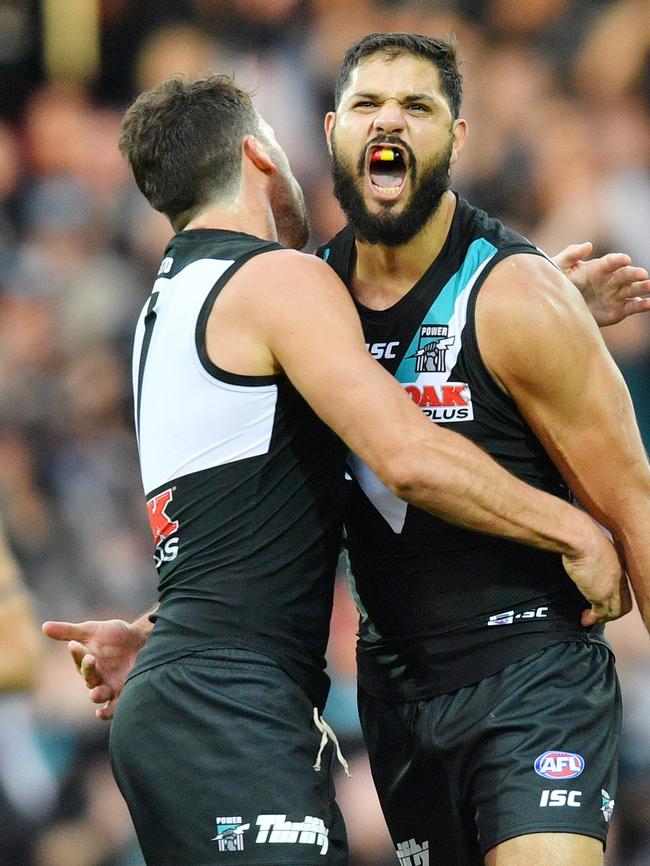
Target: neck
(382, 275)
(252, 218)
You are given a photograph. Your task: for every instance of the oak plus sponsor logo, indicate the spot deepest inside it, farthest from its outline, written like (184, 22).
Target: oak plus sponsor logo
(441, 401)
(230, 834)
(412, 853)
(559, 765)
(431, 354)
(276, 830)
(163, 527)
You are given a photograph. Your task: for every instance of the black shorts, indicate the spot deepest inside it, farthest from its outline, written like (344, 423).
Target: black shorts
(214, 755)
(531, 749)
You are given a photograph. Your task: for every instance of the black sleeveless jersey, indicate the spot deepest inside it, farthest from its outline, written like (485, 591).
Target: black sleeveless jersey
(442, 607)
(243, 482)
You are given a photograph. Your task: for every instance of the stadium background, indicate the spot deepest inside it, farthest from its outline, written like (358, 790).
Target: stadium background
(558, 100)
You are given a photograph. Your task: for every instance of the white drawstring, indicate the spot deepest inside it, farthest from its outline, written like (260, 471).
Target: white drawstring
(328, 734)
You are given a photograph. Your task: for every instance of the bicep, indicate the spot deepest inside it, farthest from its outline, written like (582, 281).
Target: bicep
(542, 344)
(316, 336)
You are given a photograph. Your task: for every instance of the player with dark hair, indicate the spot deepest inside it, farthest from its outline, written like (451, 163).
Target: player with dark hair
(241, 346)
(490, 711)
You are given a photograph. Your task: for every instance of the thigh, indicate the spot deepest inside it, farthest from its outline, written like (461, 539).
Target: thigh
(427, 825)
(215, 757)
(543, 759)
(547, 849)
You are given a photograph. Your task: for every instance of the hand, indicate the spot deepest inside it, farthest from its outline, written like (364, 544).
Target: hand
(611, 286)
(104, 653)
(599, 576)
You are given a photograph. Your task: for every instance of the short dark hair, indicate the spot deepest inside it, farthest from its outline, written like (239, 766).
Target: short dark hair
(183, 142)
(440, 53)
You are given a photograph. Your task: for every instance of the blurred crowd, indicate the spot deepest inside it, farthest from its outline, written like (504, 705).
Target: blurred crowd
(557, 95)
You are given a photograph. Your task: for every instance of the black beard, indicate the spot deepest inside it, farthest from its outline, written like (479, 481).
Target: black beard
(385, 228)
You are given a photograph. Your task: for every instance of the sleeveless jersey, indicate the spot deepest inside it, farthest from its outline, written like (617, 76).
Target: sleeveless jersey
(442, 607)
(244, 483)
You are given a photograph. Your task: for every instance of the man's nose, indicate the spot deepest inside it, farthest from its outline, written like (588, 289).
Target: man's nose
(389, 118)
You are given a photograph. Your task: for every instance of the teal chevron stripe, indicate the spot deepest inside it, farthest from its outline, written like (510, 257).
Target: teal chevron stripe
(442, 308)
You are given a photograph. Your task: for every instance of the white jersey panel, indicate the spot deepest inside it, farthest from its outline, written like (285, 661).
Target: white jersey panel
(189, 420)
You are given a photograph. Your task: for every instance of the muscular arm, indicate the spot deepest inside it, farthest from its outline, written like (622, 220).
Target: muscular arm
(542, 346)
(287, 311)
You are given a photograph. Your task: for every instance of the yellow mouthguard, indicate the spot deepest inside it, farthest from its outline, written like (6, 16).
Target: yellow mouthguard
(387, 155)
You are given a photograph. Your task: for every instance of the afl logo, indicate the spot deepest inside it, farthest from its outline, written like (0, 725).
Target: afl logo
(559, 765)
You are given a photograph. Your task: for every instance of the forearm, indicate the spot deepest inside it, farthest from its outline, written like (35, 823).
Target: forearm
(463, 485)
(636, 553)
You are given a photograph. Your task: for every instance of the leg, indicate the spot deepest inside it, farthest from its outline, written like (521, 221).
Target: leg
(425, 823)
(547, 849)
(544, 760)
(214, 755)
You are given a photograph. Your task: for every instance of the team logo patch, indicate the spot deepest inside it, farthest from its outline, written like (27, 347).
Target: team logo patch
(412, 853)
(559, 765)
(230, 834)
(608, 804)
(431, 354)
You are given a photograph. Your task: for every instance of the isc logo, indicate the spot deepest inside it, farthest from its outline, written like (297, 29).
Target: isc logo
(560, 798)
(382, 350)
(559, 765)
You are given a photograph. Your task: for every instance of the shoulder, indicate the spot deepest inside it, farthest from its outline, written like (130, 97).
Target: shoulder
(288, 271)
(532, 322)
(283, 285)
(529, 287)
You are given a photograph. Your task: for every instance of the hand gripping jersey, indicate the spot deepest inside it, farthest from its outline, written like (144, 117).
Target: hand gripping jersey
(442, 607)
(244, 484)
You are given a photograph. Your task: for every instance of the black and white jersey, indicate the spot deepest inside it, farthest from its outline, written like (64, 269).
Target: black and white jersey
(243, 482)
(442, 607)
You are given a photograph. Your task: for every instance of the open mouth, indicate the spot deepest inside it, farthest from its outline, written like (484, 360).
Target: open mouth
(386, 170)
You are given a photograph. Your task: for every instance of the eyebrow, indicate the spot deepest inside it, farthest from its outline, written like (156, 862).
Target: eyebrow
(411, 97)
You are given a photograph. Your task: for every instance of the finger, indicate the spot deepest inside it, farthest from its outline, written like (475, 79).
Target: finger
(588, 618)
(89, 671)
(101, 694)
(633, 288)
(637, 305)
(630, 278)
(615, 262)
(572, 254)
(106, 711)
(78, 651)
(66, 630)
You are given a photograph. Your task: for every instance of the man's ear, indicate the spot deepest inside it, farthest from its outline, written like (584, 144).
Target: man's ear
(255, 151)
(460, 131)
(330, 120)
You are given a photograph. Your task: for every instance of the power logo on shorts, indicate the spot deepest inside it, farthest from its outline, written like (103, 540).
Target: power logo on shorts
(163, 527)
(559, 765)
(230, 834)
